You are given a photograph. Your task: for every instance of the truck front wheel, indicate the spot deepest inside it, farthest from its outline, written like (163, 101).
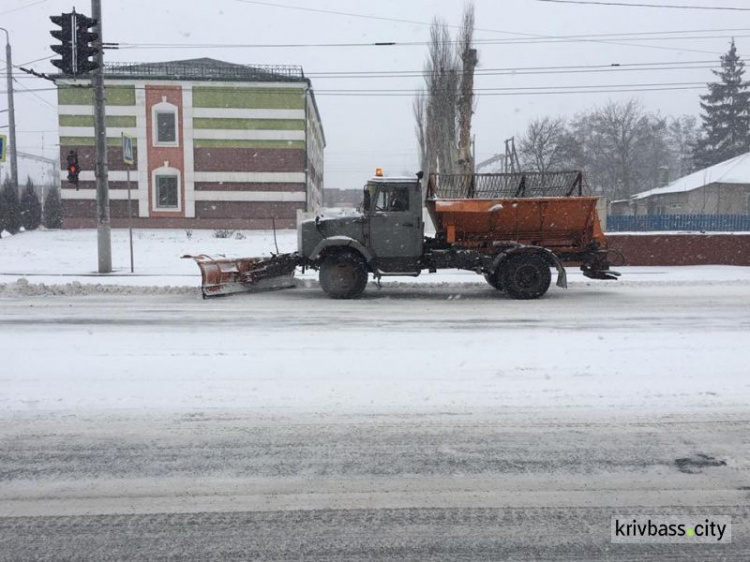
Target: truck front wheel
(525, 276)
(343, 275)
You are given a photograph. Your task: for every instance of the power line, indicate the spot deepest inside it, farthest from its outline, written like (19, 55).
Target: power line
(515, 69)
(37, 96)
(697, 65)
(347, 14)
(527, 90)
(414, 22)
(510, 71)
(603, 89)
(642, 5)
(519, 88)
(23, 7)
(538, 93)
(480, 42)
(33, 61)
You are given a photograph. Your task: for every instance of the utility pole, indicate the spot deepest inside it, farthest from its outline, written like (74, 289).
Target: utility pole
(11, 111)
(100, 132)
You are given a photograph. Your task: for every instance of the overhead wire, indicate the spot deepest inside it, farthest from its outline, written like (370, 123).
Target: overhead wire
(37, 96)
(526, 90)
(18, 9)
(422, 23)
(647, 5)
(479, 42)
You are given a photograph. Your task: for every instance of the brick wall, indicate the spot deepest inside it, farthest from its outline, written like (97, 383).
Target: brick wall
(683, 249)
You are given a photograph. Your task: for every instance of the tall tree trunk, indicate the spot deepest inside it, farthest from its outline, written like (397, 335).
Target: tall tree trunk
(469, 61)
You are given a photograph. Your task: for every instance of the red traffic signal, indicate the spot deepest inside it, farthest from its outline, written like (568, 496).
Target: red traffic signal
(73, 168)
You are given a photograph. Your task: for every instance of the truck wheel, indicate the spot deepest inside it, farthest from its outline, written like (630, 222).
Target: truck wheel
(526, 276)
(494, 279)
(343, 275)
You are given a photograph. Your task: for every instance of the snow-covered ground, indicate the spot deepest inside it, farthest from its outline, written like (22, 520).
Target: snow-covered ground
(399, 350)
(433, 405)
(67, 258)
(668, 338)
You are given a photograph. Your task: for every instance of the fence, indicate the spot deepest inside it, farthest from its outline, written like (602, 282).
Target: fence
(691, 223)
(204, 70)
(519, 184)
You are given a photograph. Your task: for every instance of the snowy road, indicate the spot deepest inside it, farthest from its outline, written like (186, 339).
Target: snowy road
(420, 423)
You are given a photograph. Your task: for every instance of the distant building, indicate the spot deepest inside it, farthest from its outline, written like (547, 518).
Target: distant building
(342, 198)
(217, 145)
(723, 189)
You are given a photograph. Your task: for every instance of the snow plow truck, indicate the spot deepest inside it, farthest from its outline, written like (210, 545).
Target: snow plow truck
(511, 228)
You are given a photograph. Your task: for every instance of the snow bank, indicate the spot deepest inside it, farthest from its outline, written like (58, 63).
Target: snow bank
(22, 288)
(63, 262)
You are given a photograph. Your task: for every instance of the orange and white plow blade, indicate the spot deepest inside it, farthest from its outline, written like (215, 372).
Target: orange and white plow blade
(224, 276)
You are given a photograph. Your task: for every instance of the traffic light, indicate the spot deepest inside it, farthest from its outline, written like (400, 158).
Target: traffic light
(73, 168)
(76, 43)
(65, 49)
(85, 37)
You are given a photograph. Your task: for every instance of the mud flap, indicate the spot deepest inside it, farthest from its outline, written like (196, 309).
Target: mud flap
(562, 276)
(224, 276)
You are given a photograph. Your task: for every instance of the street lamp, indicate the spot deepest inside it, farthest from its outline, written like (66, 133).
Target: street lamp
(11, 111)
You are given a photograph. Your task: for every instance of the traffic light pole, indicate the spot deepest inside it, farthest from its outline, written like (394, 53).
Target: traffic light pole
(11, 112)
(100, 132)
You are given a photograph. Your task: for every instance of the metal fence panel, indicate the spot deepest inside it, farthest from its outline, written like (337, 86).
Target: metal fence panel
(692, 223)
(204, 70)
(492, 186)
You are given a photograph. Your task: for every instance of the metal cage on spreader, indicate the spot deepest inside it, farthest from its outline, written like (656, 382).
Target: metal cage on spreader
(505, 186)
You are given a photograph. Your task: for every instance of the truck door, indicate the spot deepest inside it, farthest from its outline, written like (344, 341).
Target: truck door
(396, 229)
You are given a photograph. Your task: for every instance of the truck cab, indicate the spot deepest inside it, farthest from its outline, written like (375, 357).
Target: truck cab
(385, 237)
(392, 210)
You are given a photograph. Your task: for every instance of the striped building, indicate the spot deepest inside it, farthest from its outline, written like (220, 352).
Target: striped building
(217, 145)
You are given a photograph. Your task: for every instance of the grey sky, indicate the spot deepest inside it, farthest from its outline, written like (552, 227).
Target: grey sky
(365, 132)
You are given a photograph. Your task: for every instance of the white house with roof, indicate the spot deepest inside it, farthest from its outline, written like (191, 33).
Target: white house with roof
(722, 189)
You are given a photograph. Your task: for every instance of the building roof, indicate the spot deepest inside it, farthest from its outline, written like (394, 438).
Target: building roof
(204, 69)
(736, 170)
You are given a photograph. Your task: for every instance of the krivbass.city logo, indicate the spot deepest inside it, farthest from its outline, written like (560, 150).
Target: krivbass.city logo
(672, 529)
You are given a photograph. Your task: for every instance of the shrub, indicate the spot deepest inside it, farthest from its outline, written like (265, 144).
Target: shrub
(223, 233)
(53, 215)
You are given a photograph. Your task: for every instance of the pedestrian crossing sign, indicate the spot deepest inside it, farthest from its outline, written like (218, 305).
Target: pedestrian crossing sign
(127, 150)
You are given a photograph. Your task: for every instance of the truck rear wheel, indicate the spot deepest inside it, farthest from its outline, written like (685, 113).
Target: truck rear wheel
(525, 276)
(343, 275)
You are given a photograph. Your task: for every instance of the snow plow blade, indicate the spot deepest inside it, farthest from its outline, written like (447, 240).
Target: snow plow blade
(224, 276)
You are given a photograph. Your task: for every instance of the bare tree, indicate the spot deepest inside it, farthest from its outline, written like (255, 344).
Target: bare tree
(542, 147)
(443, 115)
(469, 60)
(682, 136)
(419, 108)
(619, 141)
(622, 148)
(442, 87)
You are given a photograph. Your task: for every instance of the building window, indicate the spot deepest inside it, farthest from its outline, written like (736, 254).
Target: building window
(166, 127)
(165, 123)
(167, 192)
